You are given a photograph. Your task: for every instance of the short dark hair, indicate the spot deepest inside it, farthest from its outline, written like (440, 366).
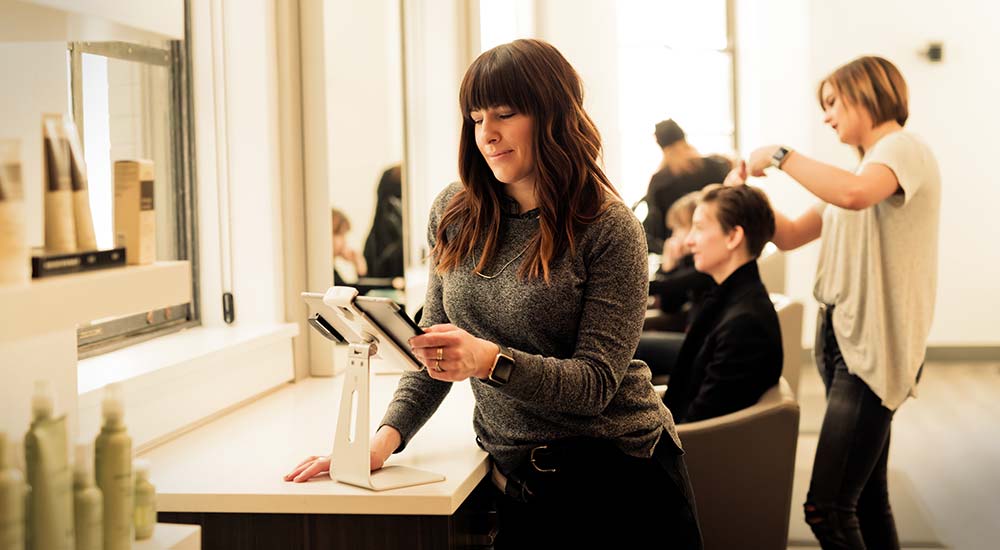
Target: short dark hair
(668, 132)
(742, 206)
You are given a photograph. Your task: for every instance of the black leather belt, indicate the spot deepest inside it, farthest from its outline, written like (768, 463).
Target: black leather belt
(546, 461)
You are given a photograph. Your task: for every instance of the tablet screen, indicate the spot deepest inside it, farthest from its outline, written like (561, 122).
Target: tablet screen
(392, 319)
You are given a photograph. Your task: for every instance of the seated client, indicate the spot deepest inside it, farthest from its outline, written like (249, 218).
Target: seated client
(732, 352)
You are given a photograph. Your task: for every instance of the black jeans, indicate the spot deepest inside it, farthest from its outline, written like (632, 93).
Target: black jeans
(601, 500)
(848, 502)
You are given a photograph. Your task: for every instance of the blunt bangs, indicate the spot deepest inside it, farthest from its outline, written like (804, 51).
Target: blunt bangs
(494, 79)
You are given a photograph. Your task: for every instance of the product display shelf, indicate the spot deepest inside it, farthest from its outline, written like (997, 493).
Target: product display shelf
(65, 301)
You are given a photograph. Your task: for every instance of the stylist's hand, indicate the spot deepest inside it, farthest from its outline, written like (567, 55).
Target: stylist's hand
(761, 159)
(383, 443)
(737, 176)
(452, 354)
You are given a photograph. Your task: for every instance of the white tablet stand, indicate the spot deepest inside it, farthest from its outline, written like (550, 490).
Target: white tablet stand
(351, 458)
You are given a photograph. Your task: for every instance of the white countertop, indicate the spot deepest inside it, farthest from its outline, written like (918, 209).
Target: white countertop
(171, 536)
(236, 463)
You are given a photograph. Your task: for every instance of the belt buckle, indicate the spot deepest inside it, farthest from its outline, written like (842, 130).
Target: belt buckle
(535, 464)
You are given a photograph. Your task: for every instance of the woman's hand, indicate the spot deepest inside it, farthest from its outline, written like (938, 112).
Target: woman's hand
(737, 176)
(761, 159)
(452, 354)
(383, 443)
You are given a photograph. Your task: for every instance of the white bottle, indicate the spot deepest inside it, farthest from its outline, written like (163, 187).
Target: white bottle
(113, 464)
(12, 501)
(88, 502)
(145, 501)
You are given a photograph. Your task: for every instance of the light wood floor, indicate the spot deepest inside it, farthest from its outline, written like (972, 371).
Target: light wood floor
(947, 441)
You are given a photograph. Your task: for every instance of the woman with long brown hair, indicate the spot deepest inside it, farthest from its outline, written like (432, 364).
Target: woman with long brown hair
(875, 284)
(536, 296)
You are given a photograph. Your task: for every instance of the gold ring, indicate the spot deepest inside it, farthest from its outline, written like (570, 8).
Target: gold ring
(437, 365)
(440, 354)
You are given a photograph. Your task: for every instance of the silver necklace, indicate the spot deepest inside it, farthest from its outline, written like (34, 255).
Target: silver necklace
(495, 275)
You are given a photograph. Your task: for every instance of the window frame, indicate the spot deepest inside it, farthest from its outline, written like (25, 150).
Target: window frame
(106, 336)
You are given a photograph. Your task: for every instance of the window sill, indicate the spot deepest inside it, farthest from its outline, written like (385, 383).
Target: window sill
(175, 381)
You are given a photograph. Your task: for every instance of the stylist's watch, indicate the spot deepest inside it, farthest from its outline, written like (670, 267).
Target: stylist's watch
(503, 366)
(779, 157)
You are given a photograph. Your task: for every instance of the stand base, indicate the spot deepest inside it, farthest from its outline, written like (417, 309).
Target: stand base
(351, 456)
(394, 477)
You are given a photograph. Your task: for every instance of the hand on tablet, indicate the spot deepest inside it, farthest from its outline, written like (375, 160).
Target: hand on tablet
(452, 354)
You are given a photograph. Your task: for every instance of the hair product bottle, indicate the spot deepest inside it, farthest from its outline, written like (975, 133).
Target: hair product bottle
(60, 229)
(88, 503)
(84, 221)
(12, 496)
(113, 464)
(145, 501)
(51, 515)
(14, 256)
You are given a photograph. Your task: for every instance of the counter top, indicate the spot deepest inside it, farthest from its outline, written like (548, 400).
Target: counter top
(235, 463)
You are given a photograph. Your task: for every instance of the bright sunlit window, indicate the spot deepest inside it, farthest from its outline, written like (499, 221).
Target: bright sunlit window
(674, 62)
(502, 21)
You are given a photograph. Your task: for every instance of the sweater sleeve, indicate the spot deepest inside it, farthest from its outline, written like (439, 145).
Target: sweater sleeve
(614, 304)
(418, 395)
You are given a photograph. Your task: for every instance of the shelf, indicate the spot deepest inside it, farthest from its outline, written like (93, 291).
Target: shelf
(65, 301)
(90, 20)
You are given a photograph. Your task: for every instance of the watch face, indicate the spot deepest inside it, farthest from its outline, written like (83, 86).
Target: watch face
(501, 371)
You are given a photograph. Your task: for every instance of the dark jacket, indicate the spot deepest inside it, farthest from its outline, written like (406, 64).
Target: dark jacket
(384, 246)
(731, 354)
(680, 286)
(666, 187)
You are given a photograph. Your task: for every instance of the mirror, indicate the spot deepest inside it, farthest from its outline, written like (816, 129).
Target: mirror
(365, 110)
(122, 103)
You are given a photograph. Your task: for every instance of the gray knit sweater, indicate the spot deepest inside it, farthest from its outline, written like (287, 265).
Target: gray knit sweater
(572, 341)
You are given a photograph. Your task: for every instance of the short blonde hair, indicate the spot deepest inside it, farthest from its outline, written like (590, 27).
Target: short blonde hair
(682, 210)
(874, 84)
(339, 222)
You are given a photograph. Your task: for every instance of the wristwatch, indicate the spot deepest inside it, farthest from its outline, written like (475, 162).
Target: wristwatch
(779, 157)
(503, 366)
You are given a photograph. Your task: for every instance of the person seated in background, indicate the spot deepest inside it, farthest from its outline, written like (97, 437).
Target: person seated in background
(341, 225)
(678, 288)
(732, 352)
(681, 171)
(384, 245)
(677, 285)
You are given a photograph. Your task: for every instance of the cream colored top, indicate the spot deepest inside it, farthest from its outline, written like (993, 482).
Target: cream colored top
(878, 266)
(235, 463)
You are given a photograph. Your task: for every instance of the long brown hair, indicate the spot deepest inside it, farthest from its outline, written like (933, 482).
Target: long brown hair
(532, 77)
(873, 84)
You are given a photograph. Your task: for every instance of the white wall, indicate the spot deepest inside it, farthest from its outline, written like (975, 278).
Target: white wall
(41, 85)
(587, 35)
(436, 61)
(950, 106)
(364, 104)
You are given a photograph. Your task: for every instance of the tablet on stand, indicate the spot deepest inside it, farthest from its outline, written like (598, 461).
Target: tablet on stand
(338, 317)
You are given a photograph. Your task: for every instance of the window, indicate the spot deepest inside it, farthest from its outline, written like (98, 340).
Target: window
(131, 101)
(675, 61)
(502, 21)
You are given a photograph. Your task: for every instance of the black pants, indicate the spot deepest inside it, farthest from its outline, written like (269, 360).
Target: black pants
(602, 500)
(848, 502)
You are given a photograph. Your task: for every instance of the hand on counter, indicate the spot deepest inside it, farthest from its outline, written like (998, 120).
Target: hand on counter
(383, 443)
